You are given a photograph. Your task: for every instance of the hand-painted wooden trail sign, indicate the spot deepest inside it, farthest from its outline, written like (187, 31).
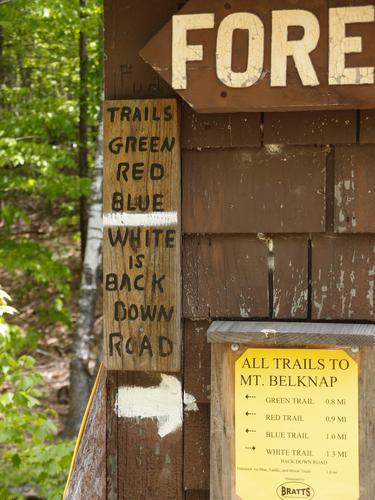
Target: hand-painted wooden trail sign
(141, 247)
(275, 55)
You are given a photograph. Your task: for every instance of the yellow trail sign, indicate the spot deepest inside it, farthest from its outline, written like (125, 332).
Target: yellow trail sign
(296, 425)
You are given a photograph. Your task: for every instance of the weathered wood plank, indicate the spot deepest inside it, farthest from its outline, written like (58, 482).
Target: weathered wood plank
(343, 273)
(290, 277)
(355, 189)
(225, 276)
(149, 446)
(311, 127)
(193, 304)
(266, 86)
(270, 333)
(112, 451)
(197, 360)
(244, 190)
(141, 241)
(367, 423)
(219, 130)
(89, 471)
(222, 425)
(127, 29)
(197, 449)
(197, 495)
(367, 127)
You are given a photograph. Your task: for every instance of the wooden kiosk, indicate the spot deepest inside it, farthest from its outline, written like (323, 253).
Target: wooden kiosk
(239, 253)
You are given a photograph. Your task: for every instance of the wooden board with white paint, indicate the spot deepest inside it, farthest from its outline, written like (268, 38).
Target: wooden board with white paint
(261, 56)
(200, 131)
(311, 127)
(290, 277)
(343, 277)
(141, 247)
(148, 415)
(272, 333)
(355, 189)
(366, 127)
(225, 276)
(197, 357)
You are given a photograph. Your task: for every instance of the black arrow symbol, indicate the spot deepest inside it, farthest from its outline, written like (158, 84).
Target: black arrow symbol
(249, 430)
(248, 414)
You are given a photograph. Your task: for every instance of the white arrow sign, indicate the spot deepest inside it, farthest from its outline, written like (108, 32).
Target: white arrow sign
(162, 402)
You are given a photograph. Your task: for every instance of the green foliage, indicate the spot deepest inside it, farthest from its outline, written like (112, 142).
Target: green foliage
(42, 269)
(39, 115)
(29, 456)
(40, 189)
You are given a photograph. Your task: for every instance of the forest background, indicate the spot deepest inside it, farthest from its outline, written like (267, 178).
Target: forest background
(50, 162)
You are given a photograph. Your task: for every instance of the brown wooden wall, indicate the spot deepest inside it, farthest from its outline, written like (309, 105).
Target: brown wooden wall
(278, 223)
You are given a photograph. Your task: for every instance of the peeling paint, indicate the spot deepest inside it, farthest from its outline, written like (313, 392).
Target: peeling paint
(162, 403)
(273, 149)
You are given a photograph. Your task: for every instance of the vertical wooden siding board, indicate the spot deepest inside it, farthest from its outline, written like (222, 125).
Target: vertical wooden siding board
(232, 276)
(197, 360)
(197, 495)
(89, 470)
(197, 449)
(112, 437)
(367, 127)
(192, 303)
(290, 278)
(150, 466)
(219, 130)
(355, 189)
(343, 274)
(222, 424)
(269, 190)
(127, 29)
(367, 424)
(310, 127)
(237, 269)
(330, 190)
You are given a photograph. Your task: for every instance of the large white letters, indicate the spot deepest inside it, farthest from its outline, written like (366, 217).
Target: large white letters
(340, 45)
(224, 50)
(181, 51)
(298, 49)
(338, 72)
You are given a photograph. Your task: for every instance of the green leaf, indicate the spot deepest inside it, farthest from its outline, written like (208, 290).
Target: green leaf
(16, 460)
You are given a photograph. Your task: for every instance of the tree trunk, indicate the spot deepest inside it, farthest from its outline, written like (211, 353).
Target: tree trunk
(83, 126)
(79, 373)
